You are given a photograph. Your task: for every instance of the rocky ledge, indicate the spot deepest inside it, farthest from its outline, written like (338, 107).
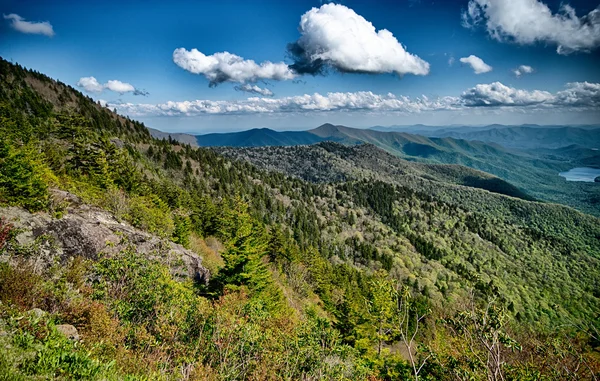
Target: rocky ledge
(90, 232)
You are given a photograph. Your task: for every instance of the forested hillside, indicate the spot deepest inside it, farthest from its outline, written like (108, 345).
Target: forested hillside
(326, 261)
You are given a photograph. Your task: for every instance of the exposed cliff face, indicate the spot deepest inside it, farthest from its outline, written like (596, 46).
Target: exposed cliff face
(90, 232)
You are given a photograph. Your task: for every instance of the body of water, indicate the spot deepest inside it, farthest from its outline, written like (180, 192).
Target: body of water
(581, 174)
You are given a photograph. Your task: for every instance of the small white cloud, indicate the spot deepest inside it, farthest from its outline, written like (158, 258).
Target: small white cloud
(523, 69)
(479, 67)
(336, 36)
(227, 67)
(530, 21)
(119, 87)
(91, 85)
(18, 23)
(451, 61)
(254, 89)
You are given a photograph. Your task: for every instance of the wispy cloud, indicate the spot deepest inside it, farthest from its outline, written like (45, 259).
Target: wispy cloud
(254, 89)
(91, 85)
(530, 21)
(30, 27)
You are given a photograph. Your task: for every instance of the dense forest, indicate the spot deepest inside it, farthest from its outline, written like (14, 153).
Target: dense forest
(326, 261)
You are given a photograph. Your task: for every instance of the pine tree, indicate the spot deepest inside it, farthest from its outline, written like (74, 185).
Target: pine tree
(244, 257)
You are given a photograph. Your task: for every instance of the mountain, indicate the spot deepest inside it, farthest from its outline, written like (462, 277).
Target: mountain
(179, 137)
(292, 262)
(527, 137)
(257, 137)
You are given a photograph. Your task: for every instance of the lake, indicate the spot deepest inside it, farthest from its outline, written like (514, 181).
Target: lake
(581, 174)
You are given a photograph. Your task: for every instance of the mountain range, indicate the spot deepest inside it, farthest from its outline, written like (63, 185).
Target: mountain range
(533, 171)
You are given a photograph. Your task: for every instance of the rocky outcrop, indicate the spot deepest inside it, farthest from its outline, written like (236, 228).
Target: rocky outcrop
(90, 232)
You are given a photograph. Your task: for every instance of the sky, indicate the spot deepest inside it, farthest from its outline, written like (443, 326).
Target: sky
(218, 66)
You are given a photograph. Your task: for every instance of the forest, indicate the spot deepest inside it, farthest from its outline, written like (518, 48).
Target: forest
(326, 261)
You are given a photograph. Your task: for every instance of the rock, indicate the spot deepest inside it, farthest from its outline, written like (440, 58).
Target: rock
(117, 142)
(597, 179)
(61, 197)
(88, 231)
(36, 313)
(69, 331)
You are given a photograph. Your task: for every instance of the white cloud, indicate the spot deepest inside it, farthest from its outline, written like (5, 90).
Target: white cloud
(479, 67)
(577, 96)
(580, 94)
(119, 87)
(530, 21)
(91, 85)
(254, 89)
(583, 95)
(497, 94)
(523, 69)
(18, 23)
(451, 61)
(336, 36)
(356, 101)
(227, 67)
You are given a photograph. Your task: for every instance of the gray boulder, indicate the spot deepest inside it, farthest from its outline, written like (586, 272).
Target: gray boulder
(90, 232)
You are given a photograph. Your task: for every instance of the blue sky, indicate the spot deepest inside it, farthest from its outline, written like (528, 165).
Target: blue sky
(133, 42)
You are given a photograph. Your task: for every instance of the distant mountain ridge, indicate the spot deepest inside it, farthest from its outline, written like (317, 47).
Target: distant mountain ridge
(534, 172)
(526, 136)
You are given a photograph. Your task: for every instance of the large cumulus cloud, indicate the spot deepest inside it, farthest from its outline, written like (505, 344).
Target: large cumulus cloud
(336, 36)
(530, 21)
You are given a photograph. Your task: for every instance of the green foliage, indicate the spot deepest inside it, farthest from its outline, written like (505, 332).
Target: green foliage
(151, 213)
(244, 257)
(23, 177)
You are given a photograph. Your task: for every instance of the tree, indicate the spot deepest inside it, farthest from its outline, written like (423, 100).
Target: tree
(409, 323)
(246, 247)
